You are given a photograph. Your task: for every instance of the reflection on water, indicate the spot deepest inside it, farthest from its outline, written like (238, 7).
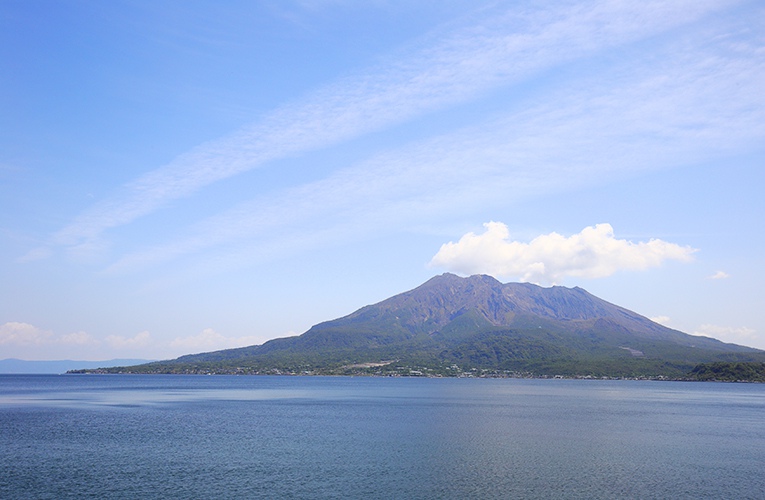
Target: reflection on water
(333, 437)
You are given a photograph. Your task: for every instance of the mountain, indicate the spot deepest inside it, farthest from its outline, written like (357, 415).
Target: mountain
(452, 325)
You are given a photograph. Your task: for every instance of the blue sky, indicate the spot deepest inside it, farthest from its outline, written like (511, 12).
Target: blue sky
(179, 177)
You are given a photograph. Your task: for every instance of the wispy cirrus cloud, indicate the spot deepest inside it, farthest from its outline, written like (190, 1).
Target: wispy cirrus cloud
(668, 109)
(496, 48)
(719, 275)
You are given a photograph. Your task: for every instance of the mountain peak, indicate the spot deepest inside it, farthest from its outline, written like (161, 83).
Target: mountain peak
(477, 321)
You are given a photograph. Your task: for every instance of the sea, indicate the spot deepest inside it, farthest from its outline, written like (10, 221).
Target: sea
(273, 437)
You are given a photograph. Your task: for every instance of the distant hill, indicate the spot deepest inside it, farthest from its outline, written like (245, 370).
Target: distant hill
(455, 326)
(19, 366)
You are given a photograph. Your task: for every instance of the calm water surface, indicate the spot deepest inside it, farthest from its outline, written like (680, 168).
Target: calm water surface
(133, 436)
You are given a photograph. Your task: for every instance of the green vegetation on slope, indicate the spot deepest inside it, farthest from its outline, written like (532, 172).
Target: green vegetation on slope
(729, 372)
(477, 325)
(490, 352)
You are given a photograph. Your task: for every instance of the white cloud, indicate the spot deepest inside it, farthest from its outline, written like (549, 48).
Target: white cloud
(23, 334)
(592, 253)
(26, 341)
(210, 340)
(662, 320)
(79, 338)
(719, 275)
(741, 335)
(139, 341)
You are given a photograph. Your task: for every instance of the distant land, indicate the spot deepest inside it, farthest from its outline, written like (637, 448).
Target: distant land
(476, 326)
(19, 366)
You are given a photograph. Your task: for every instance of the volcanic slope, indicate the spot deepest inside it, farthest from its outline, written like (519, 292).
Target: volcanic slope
(479, 324)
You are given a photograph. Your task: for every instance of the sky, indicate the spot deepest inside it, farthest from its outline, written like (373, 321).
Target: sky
(183, 177)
